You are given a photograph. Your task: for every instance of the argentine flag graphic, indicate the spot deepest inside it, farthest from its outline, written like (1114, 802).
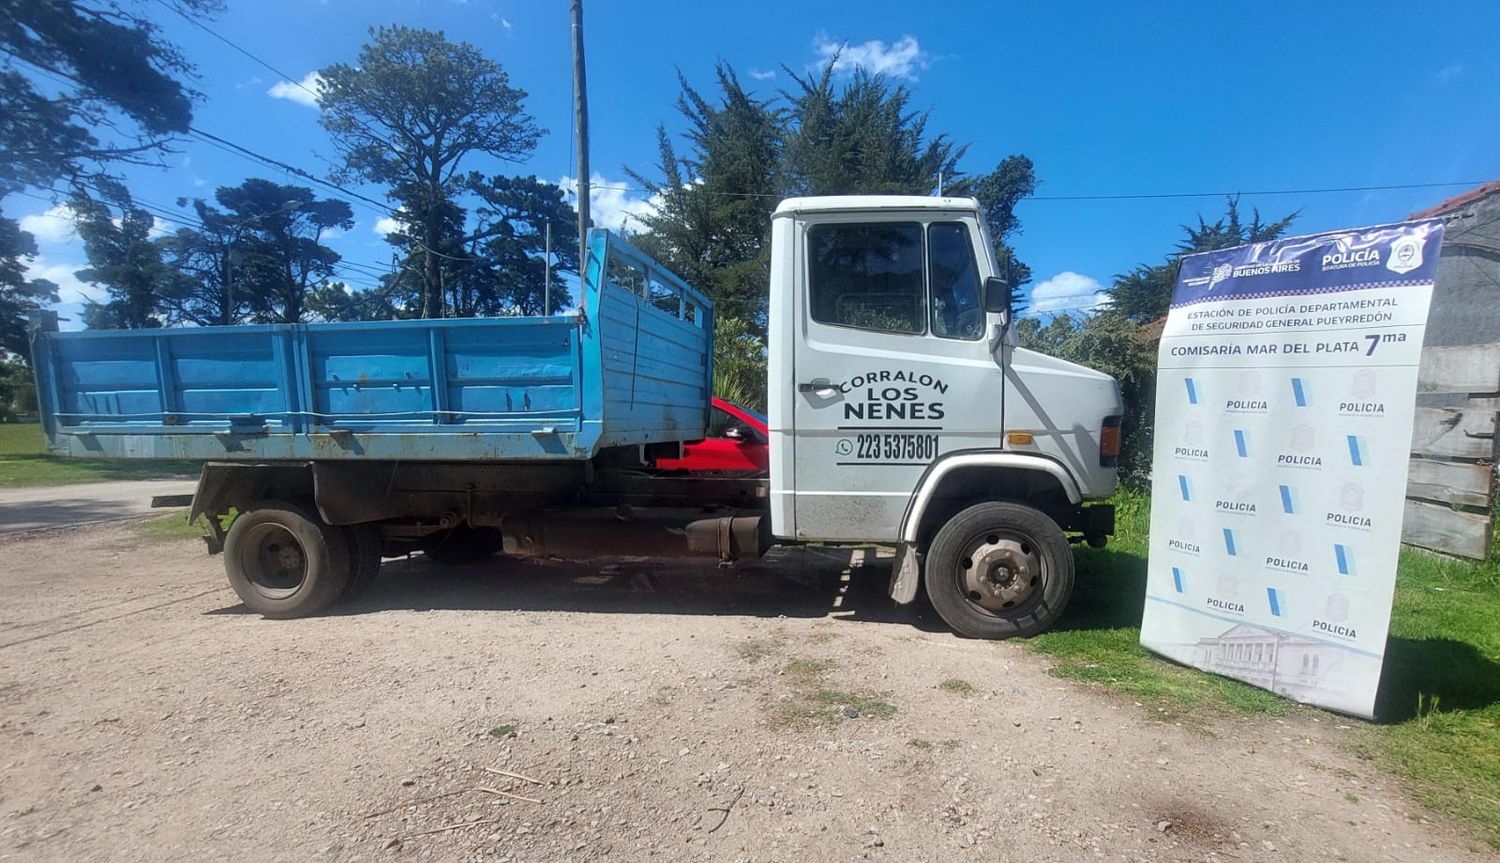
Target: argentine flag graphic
(1345, 557)
(1299, 392)
(1358, 450)
(1274, 597)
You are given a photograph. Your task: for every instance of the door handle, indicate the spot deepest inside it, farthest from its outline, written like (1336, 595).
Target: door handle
(814, 386)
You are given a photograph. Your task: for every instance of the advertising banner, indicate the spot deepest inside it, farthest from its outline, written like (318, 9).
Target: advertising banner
(1286, 389)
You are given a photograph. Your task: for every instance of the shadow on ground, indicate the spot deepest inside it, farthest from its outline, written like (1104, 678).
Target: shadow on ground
(1453, 672)
(1109, 591)
(804, 583)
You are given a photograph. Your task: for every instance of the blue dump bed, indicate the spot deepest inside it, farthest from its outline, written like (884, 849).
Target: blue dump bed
(632, 366)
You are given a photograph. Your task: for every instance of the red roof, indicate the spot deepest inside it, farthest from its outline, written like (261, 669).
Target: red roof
(1457, 201)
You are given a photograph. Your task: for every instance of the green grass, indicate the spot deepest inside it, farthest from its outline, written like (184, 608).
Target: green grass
(957, 685)
(26, 461)
(807, 669)
(1439, 704)
(865, 705)
(504, 730)
(170, 528)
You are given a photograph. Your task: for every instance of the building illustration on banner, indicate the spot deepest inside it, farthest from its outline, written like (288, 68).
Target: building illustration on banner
(1289, 665)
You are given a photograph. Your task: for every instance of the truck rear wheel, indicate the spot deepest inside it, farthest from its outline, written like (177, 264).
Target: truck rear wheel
(285, 562)
(365, 545)
(463, 544)
(999, 570)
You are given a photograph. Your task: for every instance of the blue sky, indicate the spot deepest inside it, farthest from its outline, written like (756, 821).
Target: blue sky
(1107, 98)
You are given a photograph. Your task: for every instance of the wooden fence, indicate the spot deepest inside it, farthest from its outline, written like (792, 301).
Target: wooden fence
(1451, 485)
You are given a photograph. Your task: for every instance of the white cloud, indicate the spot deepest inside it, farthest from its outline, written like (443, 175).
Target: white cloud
(53, 226)
(300, 92)
(901, 59)
(387, 225)
(1448, 74)
(187, 168)
(611, 204)
(70, 290)
(1068, 291)
(762, 74)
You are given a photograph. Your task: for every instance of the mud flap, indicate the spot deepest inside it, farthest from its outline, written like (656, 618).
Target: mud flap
(906, 574)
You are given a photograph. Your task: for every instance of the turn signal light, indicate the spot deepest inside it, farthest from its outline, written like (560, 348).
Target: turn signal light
(1019, 438)
(1109, 442)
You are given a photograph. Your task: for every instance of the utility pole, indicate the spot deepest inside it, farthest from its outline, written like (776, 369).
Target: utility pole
(547, 276)
(581, 120)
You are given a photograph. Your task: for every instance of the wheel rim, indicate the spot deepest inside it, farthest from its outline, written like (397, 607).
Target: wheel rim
(273, 561)
(1002, 572)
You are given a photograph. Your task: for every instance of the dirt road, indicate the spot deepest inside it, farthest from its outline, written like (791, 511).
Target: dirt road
(780, 712)
(25, 509)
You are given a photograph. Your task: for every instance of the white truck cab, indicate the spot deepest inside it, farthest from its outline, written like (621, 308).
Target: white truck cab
(902, 412)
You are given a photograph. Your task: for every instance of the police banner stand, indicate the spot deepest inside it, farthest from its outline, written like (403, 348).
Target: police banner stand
(1286, 390)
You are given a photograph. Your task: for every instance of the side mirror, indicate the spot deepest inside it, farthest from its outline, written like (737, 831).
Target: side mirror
(997, 295)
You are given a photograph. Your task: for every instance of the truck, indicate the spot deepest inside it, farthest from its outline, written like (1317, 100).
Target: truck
(901, 412)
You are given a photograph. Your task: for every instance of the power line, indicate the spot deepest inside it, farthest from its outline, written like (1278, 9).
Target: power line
(284, 76)
(1260, 193)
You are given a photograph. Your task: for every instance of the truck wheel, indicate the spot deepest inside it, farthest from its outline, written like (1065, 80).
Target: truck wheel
(284, 562)
(999, 570)
(463, 544)
(365, 544)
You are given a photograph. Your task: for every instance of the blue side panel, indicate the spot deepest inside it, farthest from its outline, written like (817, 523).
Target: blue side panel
(632, 367)
(657, 350)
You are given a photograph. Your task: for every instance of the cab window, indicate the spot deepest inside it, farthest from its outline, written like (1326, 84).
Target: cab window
(954, 280)
(868, 276)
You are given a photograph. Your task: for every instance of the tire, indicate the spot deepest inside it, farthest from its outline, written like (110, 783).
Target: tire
(284, 562)
(463, 544)
(999, 570)
(365, 544)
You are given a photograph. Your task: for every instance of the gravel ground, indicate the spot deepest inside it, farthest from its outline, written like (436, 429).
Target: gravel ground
(781, 711)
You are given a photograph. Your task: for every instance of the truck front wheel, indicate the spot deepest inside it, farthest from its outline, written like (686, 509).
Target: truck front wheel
(285, 562)
(999, 570)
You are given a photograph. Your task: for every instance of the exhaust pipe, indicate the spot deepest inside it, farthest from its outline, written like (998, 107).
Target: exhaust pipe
(638, 531)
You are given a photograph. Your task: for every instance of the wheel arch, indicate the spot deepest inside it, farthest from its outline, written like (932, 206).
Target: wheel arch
(960, 479)
(222, 487)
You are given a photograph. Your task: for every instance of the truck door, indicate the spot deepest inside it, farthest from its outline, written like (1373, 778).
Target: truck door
(892, 365)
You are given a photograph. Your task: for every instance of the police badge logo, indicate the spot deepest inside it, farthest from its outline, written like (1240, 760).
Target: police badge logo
(1221, 273)
(1406, 255)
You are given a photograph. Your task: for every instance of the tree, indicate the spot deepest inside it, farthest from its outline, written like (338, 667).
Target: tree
(256, 259)
(861, 139)
(1145, 293)
(282, 230)
(408, 114)
(19, 296)
(101, 87)
(999, 191)
(336, 301)
(514, 213)
(17, 388)
(84, 84)
(713, 223)
(1111, 343)
(124, 259)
